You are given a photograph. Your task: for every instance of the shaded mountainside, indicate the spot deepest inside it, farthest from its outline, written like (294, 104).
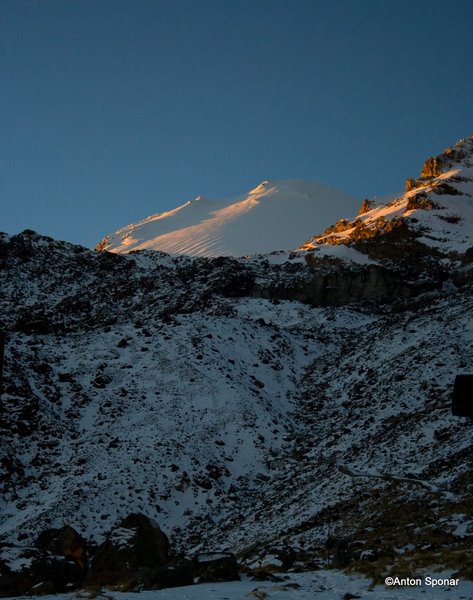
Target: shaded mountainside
(195, 391)
(287, 407)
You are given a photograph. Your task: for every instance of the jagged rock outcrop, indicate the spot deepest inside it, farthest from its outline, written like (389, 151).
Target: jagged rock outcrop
(379, 231)
(366, 205)
(433, 167)
(451, 156)
(412, 184)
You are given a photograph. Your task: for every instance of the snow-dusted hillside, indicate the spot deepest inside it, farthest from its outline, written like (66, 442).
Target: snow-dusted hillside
(174, 387)
(276, 215)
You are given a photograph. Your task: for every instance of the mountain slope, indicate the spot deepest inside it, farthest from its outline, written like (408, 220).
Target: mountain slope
(277, 405)
(167, 386)
(276, 215)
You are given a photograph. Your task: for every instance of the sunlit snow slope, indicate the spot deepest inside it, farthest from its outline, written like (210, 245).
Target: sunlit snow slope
(276, 215)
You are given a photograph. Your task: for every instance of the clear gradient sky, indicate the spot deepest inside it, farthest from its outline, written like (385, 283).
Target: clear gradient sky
(112, 110)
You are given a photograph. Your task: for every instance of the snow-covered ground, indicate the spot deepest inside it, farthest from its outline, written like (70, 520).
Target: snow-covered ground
(323, 585)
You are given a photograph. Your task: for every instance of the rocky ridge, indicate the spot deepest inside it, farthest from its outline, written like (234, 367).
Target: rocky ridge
(432, 219)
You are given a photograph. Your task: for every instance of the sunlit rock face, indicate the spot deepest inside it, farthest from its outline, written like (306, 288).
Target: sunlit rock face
(432, 168)
(432, 219)
(412, 184)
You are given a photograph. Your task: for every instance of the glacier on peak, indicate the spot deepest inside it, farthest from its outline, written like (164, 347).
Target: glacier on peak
(275, 215)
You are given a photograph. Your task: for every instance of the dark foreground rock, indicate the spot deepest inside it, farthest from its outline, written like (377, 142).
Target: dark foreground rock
(33, 571)
(132, 550)
(133, 557)
(345, 551)
(176, 573)
(64, 542)
(216, 566)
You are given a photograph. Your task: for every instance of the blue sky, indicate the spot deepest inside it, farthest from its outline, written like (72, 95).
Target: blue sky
(113, 110)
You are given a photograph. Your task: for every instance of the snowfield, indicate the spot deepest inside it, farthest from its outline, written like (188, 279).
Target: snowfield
(323, 585)
(276, 215)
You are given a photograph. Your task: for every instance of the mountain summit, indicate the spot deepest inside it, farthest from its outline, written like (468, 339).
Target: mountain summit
(276, 215)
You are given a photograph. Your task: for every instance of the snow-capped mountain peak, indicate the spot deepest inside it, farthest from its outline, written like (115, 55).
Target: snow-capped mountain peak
(275, 215)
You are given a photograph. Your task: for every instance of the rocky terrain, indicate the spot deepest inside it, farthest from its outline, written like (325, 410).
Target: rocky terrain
(292, 408)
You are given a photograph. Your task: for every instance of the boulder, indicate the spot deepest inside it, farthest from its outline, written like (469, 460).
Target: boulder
(64, 542)
(216, 566)
(131, 551)
(176, 573)
(345, 550)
